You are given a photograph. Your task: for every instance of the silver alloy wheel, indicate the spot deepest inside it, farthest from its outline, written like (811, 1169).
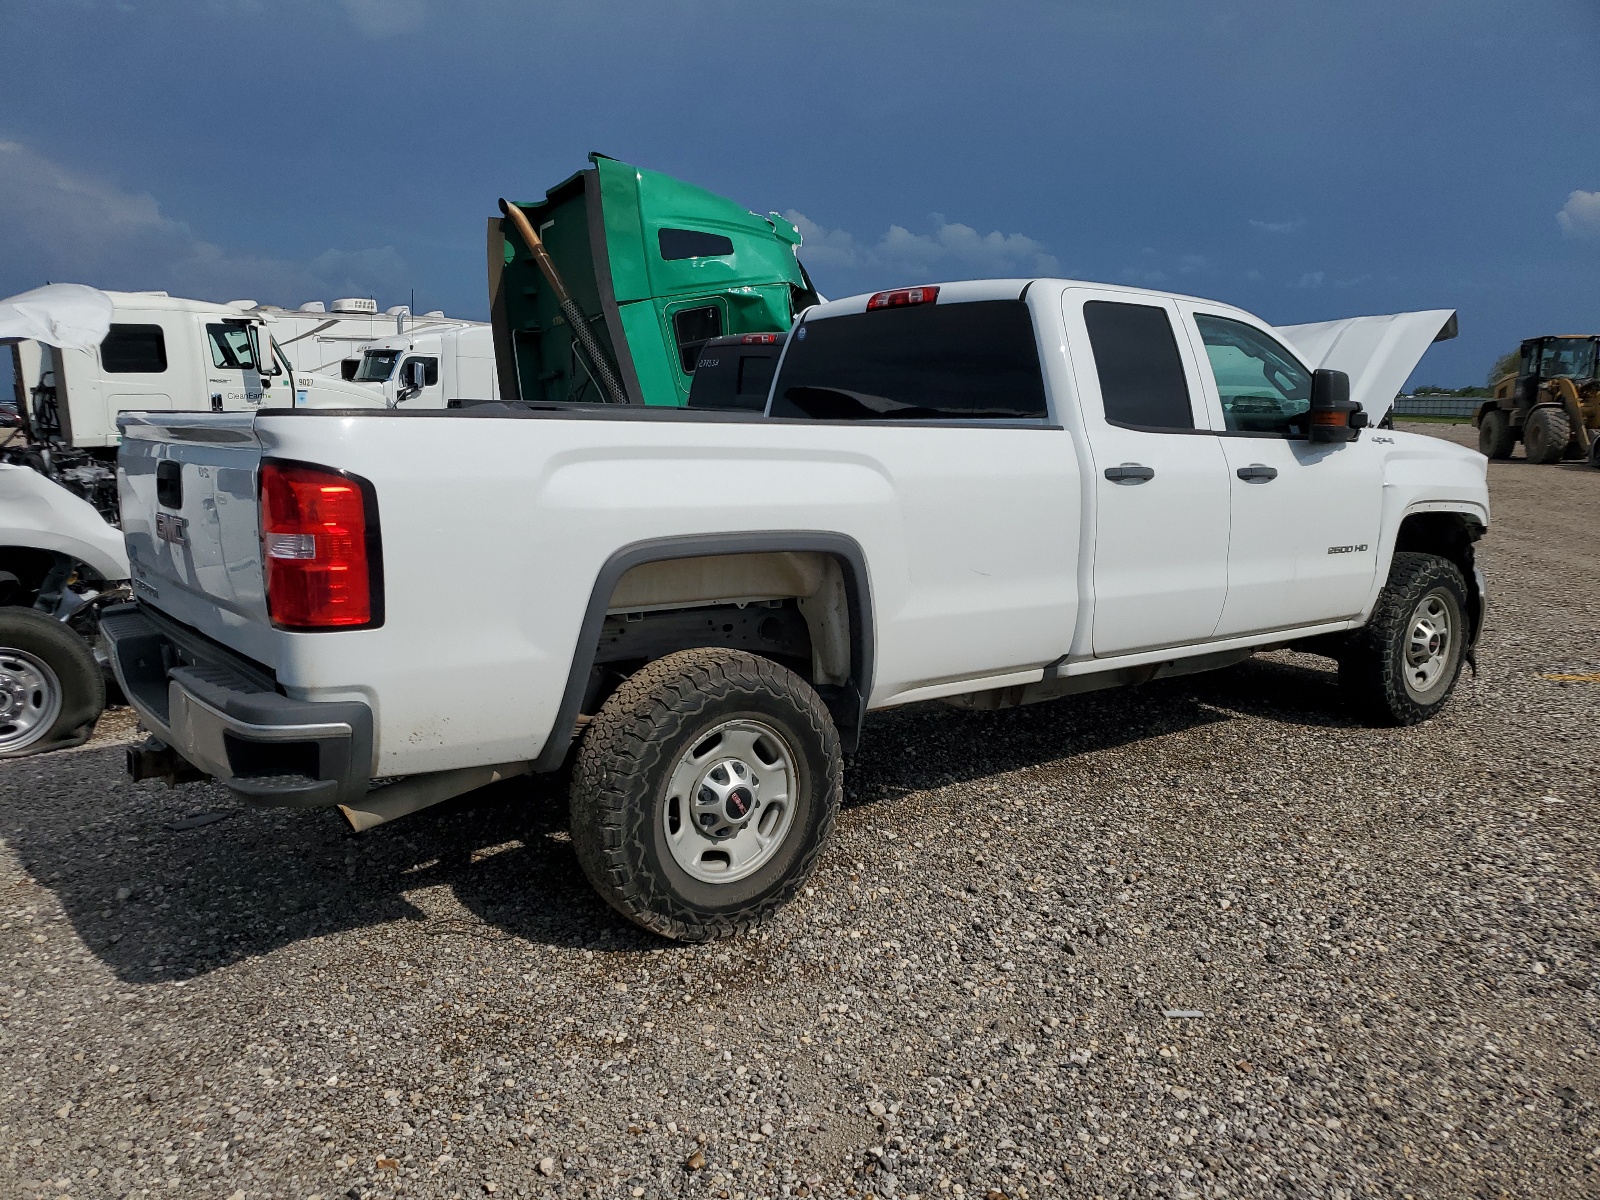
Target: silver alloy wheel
(730, 801)
(1429, 642)
(30, 699)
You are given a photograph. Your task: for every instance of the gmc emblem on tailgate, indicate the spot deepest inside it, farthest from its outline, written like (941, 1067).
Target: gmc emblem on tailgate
(171, 528)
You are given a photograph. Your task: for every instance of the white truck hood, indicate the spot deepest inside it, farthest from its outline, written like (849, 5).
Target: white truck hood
(40, 513)
(1378, 353)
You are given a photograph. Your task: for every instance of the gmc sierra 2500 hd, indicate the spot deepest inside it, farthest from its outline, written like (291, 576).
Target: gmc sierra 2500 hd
(989, 493)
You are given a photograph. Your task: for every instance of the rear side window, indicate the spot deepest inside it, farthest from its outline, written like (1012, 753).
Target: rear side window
(691, 243)
(921, 362)
(134, 350)
(1141, 372)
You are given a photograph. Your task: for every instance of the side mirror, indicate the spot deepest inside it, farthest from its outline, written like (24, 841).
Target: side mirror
(1334, 417)
(261, 351)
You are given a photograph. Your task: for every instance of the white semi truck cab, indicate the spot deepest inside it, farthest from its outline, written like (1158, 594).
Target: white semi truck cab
(433, 367)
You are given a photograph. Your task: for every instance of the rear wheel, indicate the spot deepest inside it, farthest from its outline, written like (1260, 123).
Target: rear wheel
(1400, 668)
(1496, 438)
(1594, 451)
(1546, 435)
(51, 689)
(704, 791)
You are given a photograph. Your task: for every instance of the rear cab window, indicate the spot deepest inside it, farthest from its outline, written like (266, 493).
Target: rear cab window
(966, 361)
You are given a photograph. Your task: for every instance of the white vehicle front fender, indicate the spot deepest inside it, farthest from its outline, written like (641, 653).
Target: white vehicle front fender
(38, 514)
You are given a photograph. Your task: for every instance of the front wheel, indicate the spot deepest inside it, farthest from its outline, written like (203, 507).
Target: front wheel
(1496, 438)
(51, 688)
(1402, 666)
(704, 791)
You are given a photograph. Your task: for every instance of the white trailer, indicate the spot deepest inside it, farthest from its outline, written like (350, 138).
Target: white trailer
(329, 339)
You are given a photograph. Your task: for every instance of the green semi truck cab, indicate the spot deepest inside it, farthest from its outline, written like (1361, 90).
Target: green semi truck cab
(658, 266)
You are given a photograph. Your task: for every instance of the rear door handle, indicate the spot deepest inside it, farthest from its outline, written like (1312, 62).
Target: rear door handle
(1130, 473)
(1257, 472)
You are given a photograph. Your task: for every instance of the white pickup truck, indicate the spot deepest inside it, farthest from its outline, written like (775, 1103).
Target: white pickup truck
(988, 493)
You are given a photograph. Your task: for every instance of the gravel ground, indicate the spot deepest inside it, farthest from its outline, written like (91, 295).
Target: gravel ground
(1206, 938)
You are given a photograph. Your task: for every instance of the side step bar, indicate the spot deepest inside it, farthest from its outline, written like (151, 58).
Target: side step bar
(422, 791)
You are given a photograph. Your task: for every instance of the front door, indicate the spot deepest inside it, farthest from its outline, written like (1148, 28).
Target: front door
(1305, 516)
(1160, 478)
(233, 377)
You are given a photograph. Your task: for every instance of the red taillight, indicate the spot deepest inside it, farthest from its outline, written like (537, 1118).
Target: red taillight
(315, 527)
(759, 339)
(903, 297)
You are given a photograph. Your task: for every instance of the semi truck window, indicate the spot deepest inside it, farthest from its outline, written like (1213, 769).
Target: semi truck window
(134, 350)
(376, 366)
(919, 362)
(693, 328)
(430, 369)
(691, 243)
(1140, 370)
(1262, 388)
(230, 348)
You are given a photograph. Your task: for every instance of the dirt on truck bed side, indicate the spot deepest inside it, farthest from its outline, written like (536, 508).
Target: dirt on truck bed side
(1207, 937)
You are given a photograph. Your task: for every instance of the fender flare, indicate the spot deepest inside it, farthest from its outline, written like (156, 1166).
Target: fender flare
(858, 595)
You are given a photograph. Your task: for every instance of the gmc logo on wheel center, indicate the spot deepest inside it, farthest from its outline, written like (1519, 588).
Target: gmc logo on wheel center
(1347, 549)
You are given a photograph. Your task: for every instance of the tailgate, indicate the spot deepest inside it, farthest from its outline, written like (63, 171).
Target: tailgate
(189, 514)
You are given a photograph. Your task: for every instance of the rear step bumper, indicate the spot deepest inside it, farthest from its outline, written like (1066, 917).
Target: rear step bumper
(267, 747)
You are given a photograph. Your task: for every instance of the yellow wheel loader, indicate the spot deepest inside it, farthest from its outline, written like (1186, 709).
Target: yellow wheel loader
(1551, 404)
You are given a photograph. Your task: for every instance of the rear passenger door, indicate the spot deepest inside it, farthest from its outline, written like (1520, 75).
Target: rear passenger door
(1160, 567)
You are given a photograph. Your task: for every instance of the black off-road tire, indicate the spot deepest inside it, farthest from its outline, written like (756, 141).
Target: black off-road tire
(1496, 438)
(1546, 435)
(1594, 450)
(1373, 667)
(625, 762)
(74, 685)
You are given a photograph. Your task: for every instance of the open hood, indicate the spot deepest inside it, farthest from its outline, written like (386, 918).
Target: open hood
(1378, 353)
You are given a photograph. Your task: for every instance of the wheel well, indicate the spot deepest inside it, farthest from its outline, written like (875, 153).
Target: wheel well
(800, 599)
(1450, 535)
(23, 570)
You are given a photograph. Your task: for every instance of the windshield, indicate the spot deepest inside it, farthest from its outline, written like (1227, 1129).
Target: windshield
(376, 366)
(1572, 357)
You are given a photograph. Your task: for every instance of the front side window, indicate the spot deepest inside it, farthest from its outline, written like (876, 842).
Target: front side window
(693, 328)
(920, 362)
(1141, 373)
(230, 347)
(376, 366)
(430, 370)
(1262, 386)
(134, 350)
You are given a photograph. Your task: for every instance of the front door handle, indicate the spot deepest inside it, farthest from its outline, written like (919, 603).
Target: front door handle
(1130, 473)
(1257, 472)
